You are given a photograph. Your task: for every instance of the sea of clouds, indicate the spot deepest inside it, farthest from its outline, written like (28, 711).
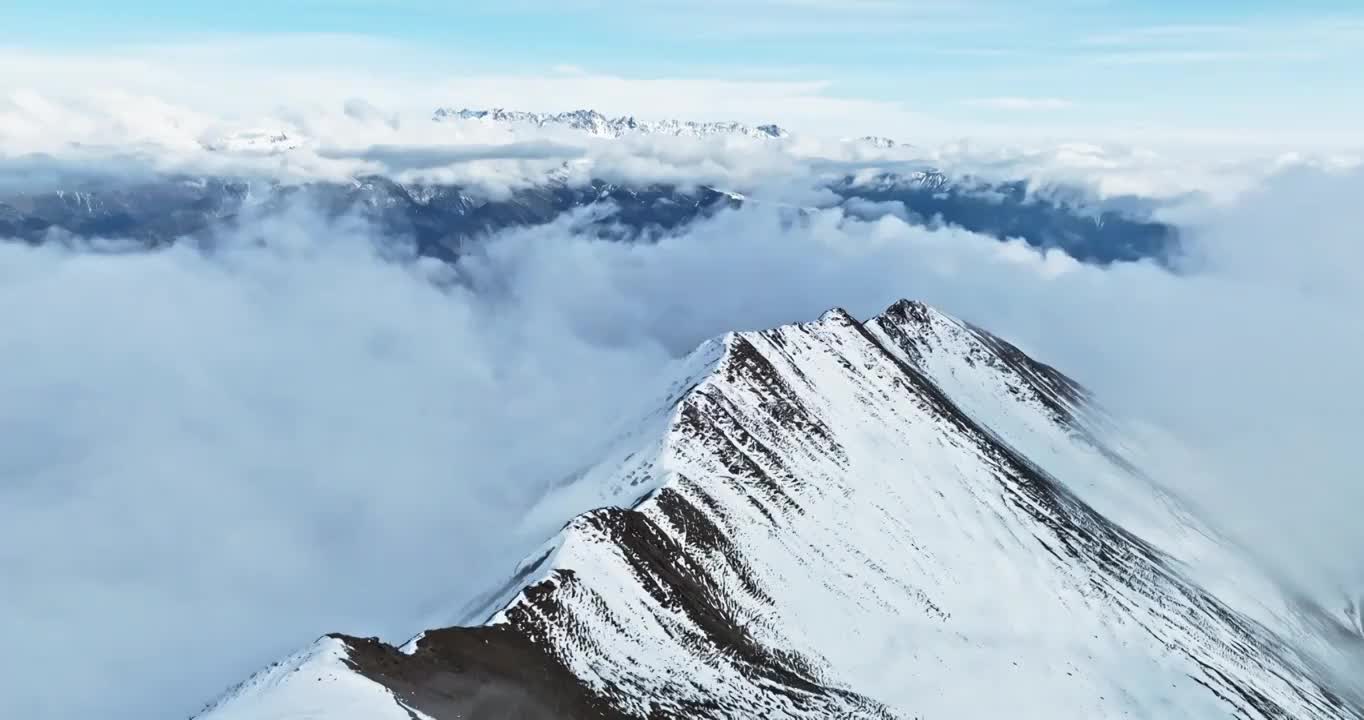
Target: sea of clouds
(213, 453)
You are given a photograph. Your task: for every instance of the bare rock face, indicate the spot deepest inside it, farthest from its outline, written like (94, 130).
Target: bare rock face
(902, 518)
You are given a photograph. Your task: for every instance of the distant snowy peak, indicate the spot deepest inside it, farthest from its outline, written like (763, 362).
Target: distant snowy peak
(599, 125)
(255, 141)
(926, 178)
(881, 143)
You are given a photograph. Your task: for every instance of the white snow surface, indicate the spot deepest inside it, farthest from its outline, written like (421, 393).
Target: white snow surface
(314, 683)
(904, 522)
(1122, 471)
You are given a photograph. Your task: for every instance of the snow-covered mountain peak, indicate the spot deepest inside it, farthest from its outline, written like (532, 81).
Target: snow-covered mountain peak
(599, 125)
(881, 143)
(837, 316)
(256, 141)
(859, 520)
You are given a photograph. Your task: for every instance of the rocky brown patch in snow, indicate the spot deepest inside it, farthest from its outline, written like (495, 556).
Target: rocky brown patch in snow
(496, 671)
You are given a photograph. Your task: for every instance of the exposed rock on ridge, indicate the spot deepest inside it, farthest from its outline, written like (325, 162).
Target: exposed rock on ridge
(853, 520)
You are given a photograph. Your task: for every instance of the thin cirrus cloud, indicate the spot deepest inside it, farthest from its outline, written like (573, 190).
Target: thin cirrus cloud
(183, 89)
(1296, 39)
(1021, 103)
(1190, 57)
(186, 88)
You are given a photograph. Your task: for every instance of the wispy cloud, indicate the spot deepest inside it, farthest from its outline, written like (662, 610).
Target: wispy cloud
(1021, 103)
(1153, 33)
(221, 76)
(1287, 39)
(1196, 57)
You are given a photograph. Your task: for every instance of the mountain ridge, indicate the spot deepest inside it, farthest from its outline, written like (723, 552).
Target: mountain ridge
(782, 490)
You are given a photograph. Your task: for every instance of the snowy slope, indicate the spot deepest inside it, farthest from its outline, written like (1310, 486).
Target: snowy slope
(899, 519)
(1042, 414)
(318, 682)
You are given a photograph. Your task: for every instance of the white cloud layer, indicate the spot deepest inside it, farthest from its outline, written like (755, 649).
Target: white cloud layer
(48, 137)
(179, 92)
(209, 458)
(146, 87)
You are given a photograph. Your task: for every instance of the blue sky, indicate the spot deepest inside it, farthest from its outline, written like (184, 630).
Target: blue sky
(1206, 65)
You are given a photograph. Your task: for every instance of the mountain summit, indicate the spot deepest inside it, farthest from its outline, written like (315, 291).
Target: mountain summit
(599, 125)
(906, 517)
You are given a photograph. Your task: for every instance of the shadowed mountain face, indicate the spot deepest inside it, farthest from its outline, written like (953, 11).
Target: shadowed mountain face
(899, 518)
(439, 218)
(1114, 231)
(443, 218)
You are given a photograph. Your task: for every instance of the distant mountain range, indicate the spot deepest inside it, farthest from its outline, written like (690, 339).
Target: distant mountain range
(441, 219)
(256, 141)
(598, 125)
